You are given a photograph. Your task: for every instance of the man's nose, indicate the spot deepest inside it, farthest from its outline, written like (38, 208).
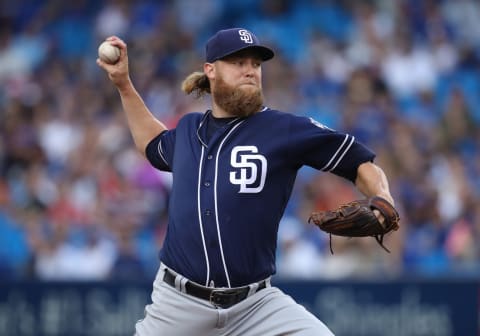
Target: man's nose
(249, 69)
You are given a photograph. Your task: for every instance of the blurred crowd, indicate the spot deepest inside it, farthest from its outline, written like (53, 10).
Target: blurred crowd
(77, 202)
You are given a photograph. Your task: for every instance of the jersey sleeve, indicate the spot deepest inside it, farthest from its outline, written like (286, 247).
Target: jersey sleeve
(160, 150)
(314, 144)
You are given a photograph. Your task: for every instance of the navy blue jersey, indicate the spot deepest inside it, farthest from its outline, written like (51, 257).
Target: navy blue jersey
(229, 192)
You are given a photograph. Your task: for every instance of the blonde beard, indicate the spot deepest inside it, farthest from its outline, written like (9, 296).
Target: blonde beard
(236, 101)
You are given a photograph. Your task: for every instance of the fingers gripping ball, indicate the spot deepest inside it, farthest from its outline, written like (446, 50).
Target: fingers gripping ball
(357, 219)
(108, 53)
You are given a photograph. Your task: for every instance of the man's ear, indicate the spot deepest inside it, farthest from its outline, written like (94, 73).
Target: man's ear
(209, 70)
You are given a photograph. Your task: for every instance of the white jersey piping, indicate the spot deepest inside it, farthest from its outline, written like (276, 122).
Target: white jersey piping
(216, 203)
(160, 151)
(335, 154)
(343, 154)
(200, 215)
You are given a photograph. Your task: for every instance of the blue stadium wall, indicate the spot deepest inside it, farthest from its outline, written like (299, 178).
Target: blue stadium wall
(398, 308)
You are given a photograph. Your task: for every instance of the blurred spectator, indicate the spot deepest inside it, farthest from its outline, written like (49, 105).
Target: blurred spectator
(127, 264)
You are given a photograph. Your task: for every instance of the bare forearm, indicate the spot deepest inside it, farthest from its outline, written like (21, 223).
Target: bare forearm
(371, 181)
(142, 123)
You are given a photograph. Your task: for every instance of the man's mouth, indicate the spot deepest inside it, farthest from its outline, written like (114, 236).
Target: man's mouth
(249, 83)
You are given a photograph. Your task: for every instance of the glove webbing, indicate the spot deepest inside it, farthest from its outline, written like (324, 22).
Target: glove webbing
(378, 238)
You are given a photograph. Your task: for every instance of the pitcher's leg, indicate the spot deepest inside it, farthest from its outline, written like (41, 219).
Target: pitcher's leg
(270, 312)
(175, 313)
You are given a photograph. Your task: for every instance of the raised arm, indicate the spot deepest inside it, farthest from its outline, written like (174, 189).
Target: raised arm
(142, 123)
(371, 181)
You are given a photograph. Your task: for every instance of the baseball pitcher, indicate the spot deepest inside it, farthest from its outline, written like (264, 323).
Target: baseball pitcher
(233, 170)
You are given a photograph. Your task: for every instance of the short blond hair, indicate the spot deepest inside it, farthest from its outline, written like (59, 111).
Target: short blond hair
(198, 83)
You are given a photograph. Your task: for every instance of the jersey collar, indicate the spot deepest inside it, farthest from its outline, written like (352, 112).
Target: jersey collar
(202, 131)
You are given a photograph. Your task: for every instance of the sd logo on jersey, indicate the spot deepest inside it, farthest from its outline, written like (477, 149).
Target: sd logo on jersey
(252, 169)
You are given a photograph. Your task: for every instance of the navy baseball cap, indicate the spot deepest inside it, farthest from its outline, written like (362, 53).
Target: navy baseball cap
(228, 41)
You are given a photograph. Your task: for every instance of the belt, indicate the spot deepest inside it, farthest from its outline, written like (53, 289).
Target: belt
(223, 298)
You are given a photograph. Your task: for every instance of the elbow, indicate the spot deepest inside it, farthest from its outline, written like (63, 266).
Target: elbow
(141, 147)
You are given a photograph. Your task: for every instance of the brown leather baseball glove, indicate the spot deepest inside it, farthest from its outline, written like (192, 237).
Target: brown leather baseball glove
(357, 219)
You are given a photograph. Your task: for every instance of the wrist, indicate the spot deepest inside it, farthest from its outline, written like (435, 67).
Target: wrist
(388, 197)
(124, 86)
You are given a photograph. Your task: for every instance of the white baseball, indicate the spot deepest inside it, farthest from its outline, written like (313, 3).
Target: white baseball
(108, 53)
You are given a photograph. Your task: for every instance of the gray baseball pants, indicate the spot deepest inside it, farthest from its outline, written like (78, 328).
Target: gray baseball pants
(268, 312)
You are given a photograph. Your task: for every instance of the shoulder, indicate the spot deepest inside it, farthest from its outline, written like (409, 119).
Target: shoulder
(191, 118)
(268, 112)
(276, 116)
